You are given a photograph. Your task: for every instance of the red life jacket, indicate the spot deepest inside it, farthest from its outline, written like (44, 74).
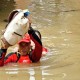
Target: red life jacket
(16, 57)
(24, 59)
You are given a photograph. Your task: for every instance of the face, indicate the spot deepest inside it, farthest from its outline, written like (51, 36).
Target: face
(24, 48)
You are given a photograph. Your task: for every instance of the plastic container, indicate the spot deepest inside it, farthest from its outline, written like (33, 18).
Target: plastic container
(17, 28)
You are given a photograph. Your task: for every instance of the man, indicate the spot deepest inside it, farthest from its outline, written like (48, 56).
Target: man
(44, 49)
(25, 54)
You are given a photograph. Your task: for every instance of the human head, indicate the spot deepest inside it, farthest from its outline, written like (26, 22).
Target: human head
(25, 45)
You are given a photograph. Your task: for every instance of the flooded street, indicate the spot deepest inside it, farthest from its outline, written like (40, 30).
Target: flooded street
(59, 23)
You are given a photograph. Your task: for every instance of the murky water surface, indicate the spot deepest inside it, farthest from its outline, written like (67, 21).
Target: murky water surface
(59, 23)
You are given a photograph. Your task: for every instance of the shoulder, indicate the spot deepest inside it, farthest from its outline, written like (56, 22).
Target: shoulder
(10, 54)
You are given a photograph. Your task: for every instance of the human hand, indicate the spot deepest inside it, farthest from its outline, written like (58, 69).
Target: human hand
(30, 20)
(2, 32)
(4, 43)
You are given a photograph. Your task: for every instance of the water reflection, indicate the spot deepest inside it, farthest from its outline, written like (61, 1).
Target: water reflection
(20, 4)
(12, 72)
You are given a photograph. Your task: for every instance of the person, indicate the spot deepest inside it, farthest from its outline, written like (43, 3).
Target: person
(37, 32)
(24, 54)
(44, 49)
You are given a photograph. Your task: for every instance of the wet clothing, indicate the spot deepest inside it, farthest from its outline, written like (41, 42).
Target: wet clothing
(16, 57)
(33, 56)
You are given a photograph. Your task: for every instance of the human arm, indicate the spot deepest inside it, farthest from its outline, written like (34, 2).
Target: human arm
(35, 55)
(3, 50)
(2, 56)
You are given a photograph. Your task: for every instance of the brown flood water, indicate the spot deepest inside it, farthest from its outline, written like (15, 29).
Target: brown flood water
(59, 23)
